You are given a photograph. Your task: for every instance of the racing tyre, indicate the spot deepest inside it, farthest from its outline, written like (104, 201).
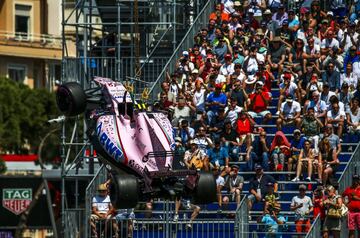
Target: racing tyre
(71, 99)
(205, 191)
(124, 191)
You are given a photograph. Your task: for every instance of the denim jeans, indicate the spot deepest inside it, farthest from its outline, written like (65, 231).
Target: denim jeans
(233, 151)
(263, 161)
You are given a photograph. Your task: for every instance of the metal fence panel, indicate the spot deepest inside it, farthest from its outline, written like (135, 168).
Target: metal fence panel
(187, 42)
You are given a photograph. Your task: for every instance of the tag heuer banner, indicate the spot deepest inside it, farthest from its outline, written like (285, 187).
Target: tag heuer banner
(17, 200)
(16, 194)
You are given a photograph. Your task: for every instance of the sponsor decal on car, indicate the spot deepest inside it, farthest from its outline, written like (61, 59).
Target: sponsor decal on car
(108, 145)
(16, 200)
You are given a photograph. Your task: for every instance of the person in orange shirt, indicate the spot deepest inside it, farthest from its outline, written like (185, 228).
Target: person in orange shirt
(244, 128)
(219, 15)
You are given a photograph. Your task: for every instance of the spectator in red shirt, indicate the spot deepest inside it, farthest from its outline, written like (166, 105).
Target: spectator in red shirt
(258, 102)
(351, 197)
(244, 128)
(318, 202)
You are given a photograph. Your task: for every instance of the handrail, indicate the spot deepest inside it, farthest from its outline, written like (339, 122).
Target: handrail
(185, 42)
(344, 180)
(315, 228)
(30, 36)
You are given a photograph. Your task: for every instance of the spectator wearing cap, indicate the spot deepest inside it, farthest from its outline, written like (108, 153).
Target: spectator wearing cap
(234, 23)
(351, 197)
(218, 157)
(302, 205)
(273, 222)
(289, 113)
(253, 23)
(234, 184)
(332, 225)
(296, 145)
(334, 139)
(227, 68)
(258, 186)
(194, 157)
(276, 56)
(285, 33)
(215, 101)
(258, 102)
(326, 93)
(281, 15)
(287, 88)
(101, 208)
(351, 57)
(336, 117)
(353, 117)
(345, 96)
(306, 159)
(258, 152)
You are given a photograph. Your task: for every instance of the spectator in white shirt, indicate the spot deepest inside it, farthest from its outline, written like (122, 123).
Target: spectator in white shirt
(336, 118)
(289, 113)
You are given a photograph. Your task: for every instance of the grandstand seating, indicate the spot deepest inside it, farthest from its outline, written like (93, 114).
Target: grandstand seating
(287, 190)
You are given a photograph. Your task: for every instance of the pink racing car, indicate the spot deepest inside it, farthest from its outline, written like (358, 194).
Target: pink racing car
(137, 144)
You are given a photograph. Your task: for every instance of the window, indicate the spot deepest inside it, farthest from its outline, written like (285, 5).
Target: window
(17, 73)
(22, 20)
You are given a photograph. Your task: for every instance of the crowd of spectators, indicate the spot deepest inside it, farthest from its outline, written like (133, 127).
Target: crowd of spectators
(259, 63)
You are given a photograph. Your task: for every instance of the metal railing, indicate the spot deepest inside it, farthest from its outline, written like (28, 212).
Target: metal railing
(91, 190)
(315, 230)
(75, 69)
(200, 21)
(353, 167)
(22, 37)
(242, 219)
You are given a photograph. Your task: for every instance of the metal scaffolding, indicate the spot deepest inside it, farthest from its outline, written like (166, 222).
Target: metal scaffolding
(123, 40)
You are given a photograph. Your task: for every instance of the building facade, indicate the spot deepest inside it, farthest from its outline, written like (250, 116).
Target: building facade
(30, 41)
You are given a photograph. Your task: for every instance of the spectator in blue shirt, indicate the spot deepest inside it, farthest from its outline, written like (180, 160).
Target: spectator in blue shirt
(296, 145)
(272, 223)
(332, 77)
(214, 101)
(218, 157)
(221, 49)
(351, 57)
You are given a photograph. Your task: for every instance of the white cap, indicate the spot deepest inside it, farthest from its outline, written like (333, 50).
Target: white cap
(251, 10)
(330, 13)
(195, 71)
(185, 53)
(260, 83)
(267, 11)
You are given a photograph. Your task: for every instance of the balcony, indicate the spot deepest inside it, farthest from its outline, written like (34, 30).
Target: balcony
(30, 45)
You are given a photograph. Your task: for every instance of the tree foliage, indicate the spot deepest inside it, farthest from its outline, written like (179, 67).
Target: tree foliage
(23, 116)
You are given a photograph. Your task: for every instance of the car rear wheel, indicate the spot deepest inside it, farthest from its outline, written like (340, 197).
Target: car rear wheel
(71, 99)
(124, 191)
(205, 191)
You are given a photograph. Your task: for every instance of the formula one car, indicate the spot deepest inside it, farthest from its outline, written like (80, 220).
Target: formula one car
(137, 144)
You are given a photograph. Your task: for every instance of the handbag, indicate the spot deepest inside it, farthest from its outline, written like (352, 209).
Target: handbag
(334, 213)
(339, 212)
